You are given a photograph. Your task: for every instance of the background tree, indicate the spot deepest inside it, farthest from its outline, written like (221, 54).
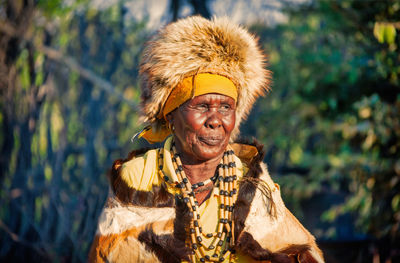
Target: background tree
(200, 7)
(62, 121)
(331, 123)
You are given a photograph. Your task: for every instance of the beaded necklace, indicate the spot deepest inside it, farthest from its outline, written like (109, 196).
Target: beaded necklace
(225, 178)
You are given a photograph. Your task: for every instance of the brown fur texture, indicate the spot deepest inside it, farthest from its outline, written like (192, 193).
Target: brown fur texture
(248, 186)
(118, 247)
(196, 45)
(167, 248)
(247, 189)
(182, 220)
(290, 254)
(159, 245)
(171, 248)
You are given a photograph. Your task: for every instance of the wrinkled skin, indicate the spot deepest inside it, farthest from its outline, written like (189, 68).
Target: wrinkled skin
(203, 125)
(202, 129)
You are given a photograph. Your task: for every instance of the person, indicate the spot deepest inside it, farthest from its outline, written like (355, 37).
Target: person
(203, 196)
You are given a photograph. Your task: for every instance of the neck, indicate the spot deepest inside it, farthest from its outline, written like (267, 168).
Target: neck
(197, 170)
(200, 171)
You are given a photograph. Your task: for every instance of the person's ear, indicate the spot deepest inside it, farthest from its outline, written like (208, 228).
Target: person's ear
(170, 118)
(170, 122)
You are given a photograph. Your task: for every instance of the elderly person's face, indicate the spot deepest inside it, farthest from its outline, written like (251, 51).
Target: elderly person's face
(203, 126)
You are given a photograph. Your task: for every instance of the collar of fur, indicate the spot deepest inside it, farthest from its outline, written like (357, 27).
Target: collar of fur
(251, 154)
(264, 229)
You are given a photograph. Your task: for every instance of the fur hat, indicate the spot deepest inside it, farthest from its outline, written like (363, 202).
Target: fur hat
(196, 45)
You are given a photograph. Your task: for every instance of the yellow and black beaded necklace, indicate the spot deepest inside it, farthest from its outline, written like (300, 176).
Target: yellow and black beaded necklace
(225, 179)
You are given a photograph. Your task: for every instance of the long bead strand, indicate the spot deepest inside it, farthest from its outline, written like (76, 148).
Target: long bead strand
(226, 180)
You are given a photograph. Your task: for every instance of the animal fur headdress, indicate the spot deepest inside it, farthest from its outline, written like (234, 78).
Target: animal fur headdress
(196, 45)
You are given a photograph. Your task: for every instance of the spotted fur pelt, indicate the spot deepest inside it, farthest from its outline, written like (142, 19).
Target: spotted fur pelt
(197, 45)
(139, 226)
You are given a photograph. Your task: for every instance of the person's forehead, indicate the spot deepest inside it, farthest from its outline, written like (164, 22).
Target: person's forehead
(211, 97)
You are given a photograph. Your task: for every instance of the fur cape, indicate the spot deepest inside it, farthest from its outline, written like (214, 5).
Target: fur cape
(149, 226)
(196, 45)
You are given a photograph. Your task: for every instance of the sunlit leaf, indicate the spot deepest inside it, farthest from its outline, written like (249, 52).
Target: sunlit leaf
(385, 32)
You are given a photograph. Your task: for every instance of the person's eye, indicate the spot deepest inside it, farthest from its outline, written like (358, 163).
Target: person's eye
(202, 107)
(225, 107)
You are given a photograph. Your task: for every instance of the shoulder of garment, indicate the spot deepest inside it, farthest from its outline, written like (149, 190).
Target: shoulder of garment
(267, 221)
(136, 180)
(269, 227)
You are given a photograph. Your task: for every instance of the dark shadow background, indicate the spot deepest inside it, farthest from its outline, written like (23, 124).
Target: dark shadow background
(69, 96)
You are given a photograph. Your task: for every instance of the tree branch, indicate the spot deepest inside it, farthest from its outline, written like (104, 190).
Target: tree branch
(57, 56)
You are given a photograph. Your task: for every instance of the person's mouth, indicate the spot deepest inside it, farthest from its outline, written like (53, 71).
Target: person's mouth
(211, 140)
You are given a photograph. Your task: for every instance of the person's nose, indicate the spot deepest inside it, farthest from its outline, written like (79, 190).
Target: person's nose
(213, 121)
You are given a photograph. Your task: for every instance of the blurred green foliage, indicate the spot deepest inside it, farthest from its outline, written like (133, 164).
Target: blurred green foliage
(332, 121)
(50, 203)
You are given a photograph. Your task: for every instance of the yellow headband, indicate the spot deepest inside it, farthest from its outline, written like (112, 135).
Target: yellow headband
(197, 85)
(189, 88)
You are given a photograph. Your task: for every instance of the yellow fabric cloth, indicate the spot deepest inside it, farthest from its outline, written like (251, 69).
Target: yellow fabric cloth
(142, 173)
(153, 135)
(190, 87)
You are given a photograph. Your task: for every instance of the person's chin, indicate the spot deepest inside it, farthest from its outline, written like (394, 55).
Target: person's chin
(210, 151)
(208, 156)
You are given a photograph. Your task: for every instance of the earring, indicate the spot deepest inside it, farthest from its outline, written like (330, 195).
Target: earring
(171, 127)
